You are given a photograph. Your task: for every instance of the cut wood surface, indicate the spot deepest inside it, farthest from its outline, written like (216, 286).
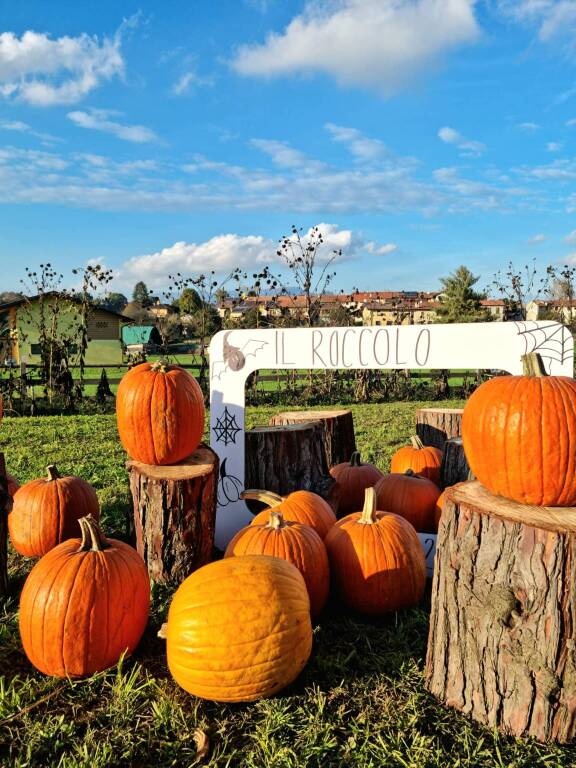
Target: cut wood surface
(501, 644)
(436, 425)
(288, 458)
(175, 514)
(454, 468)
(338, 425)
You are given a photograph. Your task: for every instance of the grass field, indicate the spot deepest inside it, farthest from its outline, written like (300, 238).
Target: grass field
(359, 702)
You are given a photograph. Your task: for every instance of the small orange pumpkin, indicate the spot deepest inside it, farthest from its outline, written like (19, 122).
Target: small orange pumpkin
(160, 413)
(353, 477)
(239, 629)
(299, 507)
(411, 496)
(84, 604)
(376, 560)
(519, 436)
(45, 512)
(423, 459)
(298, 544)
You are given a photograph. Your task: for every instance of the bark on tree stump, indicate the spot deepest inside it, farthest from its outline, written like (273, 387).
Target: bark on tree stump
(436, 425)
(175, 514)
(454, 468)
(5, 507)
(339, 438)
(502, 641)
(288, 458)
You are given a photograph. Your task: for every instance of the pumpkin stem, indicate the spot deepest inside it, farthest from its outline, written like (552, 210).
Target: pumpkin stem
(52, 472)
(276, 521)
(416, 442)
(266, 497)
(93, 540)
(368, 516)
(160, 366)
(533, 365)
(355, 459)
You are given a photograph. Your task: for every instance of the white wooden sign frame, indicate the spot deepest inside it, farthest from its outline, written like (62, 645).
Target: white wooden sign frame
(235, 354)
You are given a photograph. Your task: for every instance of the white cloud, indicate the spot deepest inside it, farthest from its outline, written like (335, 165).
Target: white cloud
(225, 252)
(558, 170)
(281, 153)
(553, 19)
(362, 147)
(43, 71)
(381, 44)
(529, 127)
(536, 239)
(468, 147)
(553, 146)
(571, 123)
(19, 127)
(571, 238)
(188, 80)
(99, 120)
(380, 250)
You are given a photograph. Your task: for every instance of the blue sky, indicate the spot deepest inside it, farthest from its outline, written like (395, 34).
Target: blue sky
(182, 136)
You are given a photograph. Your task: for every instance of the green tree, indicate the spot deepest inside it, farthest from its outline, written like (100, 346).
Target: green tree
(114, 301)
(460, 303)
(141, 294)
(189, 301)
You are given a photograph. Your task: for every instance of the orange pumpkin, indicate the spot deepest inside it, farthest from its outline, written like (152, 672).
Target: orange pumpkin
(353, 477)
(410, 496)
(376, 560)
(160, 413)
(422, 459)
(45, 512)
(519, 436)
(298, 544)
(84, 604)
(299, 507)
(239, 629)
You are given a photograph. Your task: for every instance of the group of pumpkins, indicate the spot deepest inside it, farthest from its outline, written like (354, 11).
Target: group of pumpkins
(241, 628)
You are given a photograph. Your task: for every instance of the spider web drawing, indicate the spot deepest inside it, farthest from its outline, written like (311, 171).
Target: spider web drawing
(551, 341)
(226, 428)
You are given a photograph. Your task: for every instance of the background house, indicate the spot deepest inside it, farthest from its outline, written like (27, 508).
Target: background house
(141, 338)
(19, 330)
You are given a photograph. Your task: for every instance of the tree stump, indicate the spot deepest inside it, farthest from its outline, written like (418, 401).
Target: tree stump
(5, 507)
(339, 438)
(454, 468)
(502, 640)
(175, 514)
(436, 425)
(288, 458)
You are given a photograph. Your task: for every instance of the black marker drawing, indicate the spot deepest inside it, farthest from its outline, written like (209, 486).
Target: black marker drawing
(234, 357)
(229, 487)
(550, 341)
(226, 428)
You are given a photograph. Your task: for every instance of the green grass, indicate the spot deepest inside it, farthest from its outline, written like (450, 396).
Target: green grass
(359, 702)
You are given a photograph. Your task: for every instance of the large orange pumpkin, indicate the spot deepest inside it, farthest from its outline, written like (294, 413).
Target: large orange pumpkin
(239, 629)
(160, 413)
(84, 604)
(438, 509)
(422, 459)
(410, 496)
(299, 507)
(519, 436)
(45, 512)
(353, 477)
(376, 560)
(298, 544)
